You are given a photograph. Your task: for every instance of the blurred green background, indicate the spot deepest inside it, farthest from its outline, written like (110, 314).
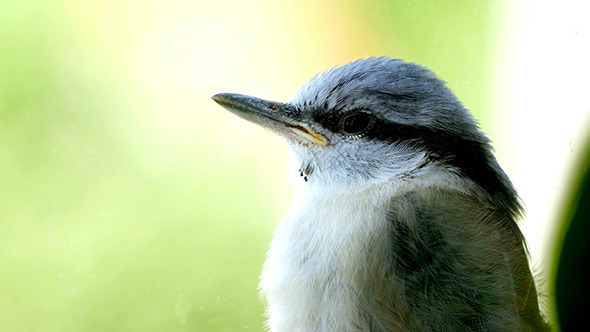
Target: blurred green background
(129, 201)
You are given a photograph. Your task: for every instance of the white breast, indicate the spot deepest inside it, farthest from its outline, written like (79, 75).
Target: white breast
(319, 257)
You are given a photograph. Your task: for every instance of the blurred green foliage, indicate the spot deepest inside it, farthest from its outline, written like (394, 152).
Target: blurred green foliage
(108, 222)
(96, 233)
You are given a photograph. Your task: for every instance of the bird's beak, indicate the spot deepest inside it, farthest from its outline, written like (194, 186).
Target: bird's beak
(279, 117)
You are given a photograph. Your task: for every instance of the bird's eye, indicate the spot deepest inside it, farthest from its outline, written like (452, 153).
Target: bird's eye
(356, 123)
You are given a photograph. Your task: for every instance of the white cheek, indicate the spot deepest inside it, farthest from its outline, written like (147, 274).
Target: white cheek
(353, 161)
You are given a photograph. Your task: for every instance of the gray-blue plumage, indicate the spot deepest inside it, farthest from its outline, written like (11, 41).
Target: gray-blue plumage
(415, 108)
(402, 218)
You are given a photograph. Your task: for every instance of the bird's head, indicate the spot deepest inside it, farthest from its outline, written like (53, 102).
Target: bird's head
(380, 120)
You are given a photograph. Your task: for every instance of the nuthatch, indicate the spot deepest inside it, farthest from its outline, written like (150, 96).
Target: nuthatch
(402, 218)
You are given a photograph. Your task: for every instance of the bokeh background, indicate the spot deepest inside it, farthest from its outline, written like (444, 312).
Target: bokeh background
(129, 201)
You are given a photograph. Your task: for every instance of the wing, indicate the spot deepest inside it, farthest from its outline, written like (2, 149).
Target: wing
(457, 267)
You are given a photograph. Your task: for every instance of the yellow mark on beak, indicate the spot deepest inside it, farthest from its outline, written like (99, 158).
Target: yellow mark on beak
(304, 131)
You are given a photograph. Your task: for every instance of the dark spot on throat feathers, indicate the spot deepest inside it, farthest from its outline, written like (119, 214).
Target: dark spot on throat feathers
(305, 172)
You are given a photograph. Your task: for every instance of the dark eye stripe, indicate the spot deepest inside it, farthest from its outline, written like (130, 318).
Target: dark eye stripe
(471, 158)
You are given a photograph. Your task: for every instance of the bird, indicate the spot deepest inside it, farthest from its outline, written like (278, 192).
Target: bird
(401, 219)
